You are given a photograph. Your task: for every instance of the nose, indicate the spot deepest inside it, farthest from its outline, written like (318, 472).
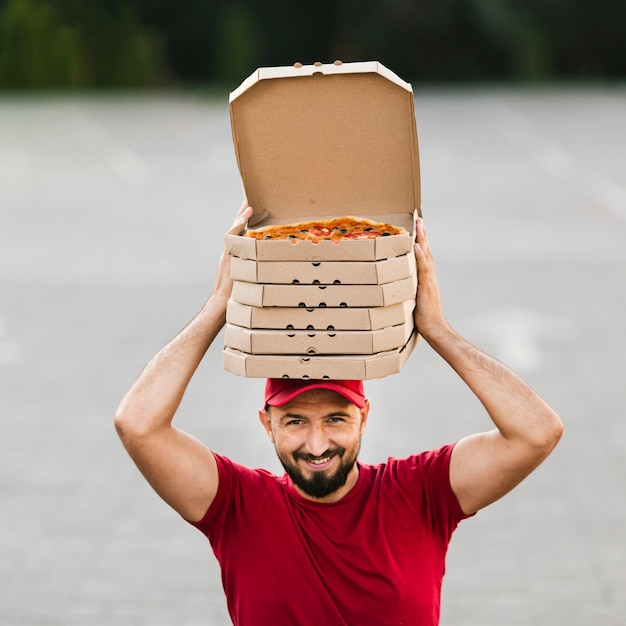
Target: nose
(317, 440)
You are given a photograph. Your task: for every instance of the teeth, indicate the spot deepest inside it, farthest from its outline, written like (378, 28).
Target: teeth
(319, 461)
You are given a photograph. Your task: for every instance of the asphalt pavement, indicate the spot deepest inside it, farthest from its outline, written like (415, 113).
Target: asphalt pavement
(112, 210)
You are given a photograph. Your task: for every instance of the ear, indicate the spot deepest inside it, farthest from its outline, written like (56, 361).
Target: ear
(264, 418)
(365, 411)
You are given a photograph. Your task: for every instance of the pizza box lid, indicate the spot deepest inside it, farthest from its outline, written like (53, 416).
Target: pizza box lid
(323, 140)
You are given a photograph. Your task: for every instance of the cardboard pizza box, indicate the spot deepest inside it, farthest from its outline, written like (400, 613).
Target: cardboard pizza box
(316, 142)
(316, 342)
(321, 141)
(322, 296)
(351, 367)
(323, 272)
(311, 318)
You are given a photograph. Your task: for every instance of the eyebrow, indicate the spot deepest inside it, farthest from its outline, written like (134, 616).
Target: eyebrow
(298, 416)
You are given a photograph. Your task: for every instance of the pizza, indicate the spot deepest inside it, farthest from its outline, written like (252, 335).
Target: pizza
(335, 229)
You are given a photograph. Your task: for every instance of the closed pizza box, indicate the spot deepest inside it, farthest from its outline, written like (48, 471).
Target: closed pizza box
(310, 318)
(347, 367)
(314, 342)
(321, 141)
(323, 272)
(342, 296)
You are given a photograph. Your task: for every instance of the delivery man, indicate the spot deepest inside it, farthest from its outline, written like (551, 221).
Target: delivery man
(333, 541)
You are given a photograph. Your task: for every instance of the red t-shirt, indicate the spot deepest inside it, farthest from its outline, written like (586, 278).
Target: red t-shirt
(376, 557)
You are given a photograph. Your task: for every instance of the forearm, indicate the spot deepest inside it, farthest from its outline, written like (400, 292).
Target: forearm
(516, 410)
(486, 465)
(152, 401)
(180, 468)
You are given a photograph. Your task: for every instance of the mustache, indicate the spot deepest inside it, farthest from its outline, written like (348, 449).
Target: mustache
(305, 456)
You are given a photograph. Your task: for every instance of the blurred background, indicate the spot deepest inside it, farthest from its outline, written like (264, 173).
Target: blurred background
(130, 43)
(117, 181)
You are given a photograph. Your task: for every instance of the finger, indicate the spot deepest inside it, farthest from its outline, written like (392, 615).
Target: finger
(243, 215)
(421, 238)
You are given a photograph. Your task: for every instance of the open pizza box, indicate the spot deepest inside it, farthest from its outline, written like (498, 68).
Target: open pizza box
(321, 141)
(317, 142)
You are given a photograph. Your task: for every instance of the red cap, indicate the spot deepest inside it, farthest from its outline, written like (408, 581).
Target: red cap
(279, 391)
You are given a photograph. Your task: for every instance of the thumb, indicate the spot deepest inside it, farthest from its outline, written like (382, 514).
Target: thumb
(243, 215)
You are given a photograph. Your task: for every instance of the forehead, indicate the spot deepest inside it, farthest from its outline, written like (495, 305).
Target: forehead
(317, 399)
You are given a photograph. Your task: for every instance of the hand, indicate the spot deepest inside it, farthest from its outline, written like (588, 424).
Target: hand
(243, 215)
(428, 312)
(223, 282)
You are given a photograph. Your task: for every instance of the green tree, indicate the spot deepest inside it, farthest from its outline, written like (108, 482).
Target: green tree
(70, 43)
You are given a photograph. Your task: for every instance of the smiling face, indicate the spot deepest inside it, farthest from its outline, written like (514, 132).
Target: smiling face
(317, 437)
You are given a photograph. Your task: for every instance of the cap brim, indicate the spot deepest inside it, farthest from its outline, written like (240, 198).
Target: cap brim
(283, 397)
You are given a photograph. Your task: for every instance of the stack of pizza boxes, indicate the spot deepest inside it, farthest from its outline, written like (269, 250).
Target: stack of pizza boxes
(317, 142)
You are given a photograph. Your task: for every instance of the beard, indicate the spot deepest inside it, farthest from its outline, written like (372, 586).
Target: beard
(322, 483)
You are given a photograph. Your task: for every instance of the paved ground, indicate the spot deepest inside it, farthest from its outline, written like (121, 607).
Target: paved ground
(111, 214)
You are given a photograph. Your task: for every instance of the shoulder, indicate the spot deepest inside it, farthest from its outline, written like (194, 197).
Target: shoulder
(235, 477)
(426, 465)
(421, 480)
(238, 486)
(227, 467)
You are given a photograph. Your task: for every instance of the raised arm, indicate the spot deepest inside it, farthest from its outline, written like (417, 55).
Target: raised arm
(487, 465)
(181, 469)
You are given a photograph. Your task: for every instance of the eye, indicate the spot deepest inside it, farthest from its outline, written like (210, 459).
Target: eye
(336, 420)
(294, 422)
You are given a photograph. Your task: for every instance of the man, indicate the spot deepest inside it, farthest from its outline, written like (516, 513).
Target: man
(333, 541)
